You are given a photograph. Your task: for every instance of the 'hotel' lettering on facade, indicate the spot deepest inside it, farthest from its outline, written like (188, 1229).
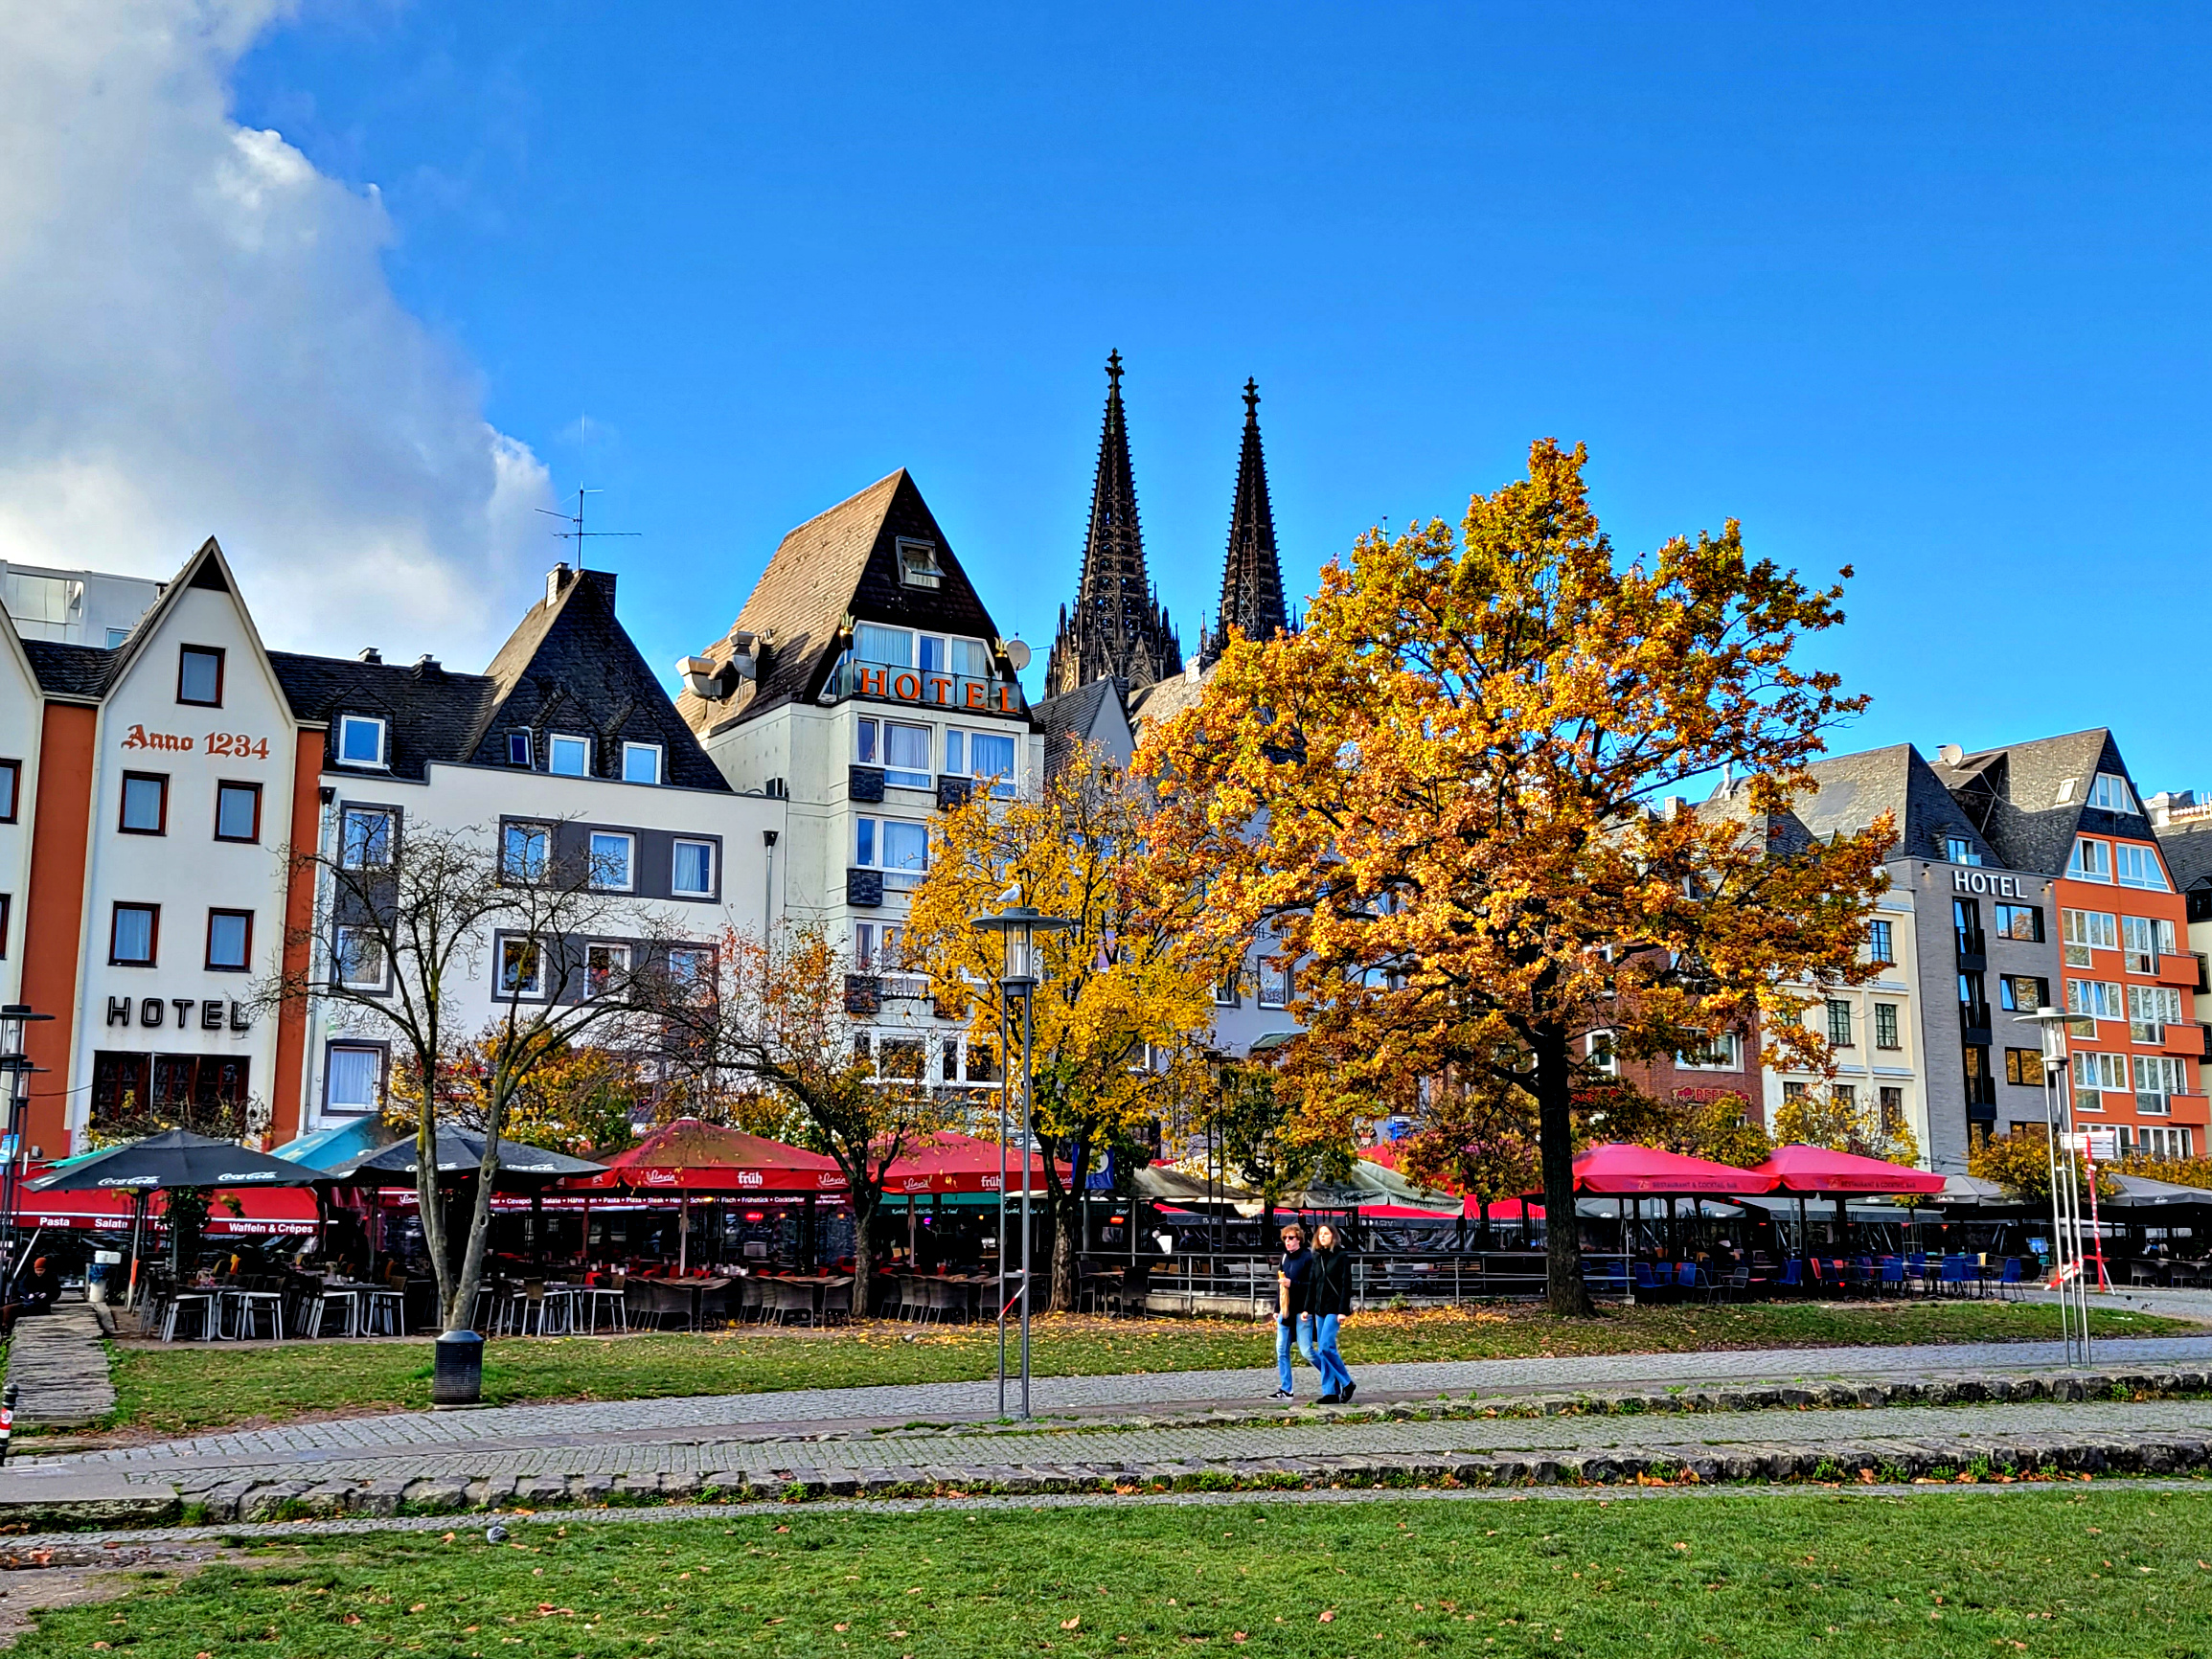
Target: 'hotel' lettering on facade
(906, 686)
(1982, 881)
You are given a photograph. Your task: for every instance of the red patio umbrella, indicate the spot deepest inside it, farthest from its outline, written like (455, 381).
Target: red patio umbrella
(689, 1156)
(955, 1163)
(1802, 1169)
(1620, 1169)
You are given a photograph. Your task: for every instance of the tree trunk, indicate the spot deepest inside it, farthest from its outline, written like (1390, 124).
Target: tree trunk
(867, 1199)
(1569, 1296)
(1066, 1247)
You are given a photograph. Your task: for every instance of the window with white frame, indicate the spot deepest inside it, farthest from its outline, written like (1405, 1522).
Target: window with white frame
(613, 860)
(1274, 982)
(2151, 1010)
(2160, 1142)
(364, 838)
(876, 948)
(518, 749)
(357, 958)
(360, 741)
(568, 756)
(2093, 860)
(2158, 1078)
(1598, 1046)
(2098, 1074)
(692, 870)
(641, 762)
(692, 967)
(2140, 943)
(2096, 998)
(897, 847)
(352, 1079)
(1723, 1052)
(2087, 930)
(525, 852)
(605, 968)
(874, 642)
(1226, 993)
(521, 967)
(2111, 792)
(983, 756)
(2138, 866)
(900, 747)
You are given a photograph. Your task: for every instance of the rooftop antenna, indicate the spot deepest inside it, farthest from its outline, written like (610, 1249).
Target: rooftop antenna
(575, 531)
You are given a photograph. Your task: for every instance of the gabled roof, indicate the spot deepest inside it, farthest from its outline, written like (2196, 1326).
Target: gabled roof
(431, 715)
(1090, 713)
(571, 667)
(1853, 790)
(2188, 850)
(839, 563)
(79, 674)
(2031, 799)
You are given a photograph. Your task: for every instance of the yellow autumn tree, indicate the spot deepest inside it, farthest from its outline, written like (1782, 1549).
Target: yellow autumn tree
(1449, 796)
(1122, 1011)
(1820, 1118)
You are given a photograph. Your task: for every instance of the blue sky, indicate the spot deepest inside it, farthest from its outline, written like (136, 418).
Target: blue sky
(1919, 290)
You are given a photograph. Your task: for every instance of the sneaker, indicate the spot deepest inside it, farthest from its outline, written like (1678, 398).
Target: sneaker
(1349, 1389)
(1330, 1399)
(1282, 1393)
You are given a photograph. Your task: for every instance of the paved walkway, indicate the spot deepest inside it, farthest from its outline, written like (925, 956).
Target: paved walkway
(802, 1411)
(59, 1368)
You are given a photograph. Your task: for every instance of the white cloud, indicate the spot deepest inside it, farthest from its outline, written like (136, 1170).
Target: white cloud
(197, 338)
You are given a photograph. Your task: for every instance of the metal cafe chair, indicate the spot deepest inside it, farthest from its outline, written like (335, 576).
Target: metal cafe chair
(325, 1302)
(594, 1302)
(199, 1305)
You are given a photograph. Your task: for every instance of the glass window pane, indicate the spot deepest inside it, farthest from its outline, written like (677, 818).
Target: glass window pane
(864, 742)
(993, 757)
(874, 644)
(694, 867)
(226, 940)
(353, 1074)
(133, 933)
(932, 654)
(906, 848)
(571, 756)
(235, 812)
(864, 852)
(142, 804)
(360, 741)
(972, 658)
(611, 860)
(906, 753)
(955, 752)
(640, 763)
(199, 677)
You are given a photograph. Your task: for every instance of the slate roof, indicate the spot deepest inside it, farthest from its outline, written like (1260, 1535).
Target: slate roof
(1071, 718)
(66, 670)
(2188, 850)
(1853, 790)
(431, 715)
(2014, 795)
(571, 667)
(1165, 700)
(842, 561)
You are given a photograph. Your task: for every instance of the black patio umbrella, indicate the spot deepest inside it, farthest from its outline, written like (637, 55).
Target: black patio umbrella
(460, 1153)
(165, 1161)
(176, 1158)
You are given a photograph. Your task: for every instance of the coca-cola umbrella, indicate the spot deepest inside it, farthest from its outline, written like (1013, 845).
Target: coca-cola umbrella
(689, 1156)
(1818, 1172)
(164, 1162)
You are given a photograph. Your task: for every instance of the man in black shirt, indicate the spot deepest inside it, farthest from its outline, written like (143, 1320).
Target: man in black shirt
(1293, 1320)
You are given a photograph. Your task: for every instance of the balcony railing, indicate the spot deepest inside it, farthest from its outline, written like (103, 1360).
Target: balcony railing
(1982, 1090)
(1974, 1016)
(1972, 942)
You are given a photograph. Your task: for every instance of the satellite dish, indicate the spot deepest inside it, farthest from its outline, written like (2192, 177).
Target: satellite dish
(1017, 655)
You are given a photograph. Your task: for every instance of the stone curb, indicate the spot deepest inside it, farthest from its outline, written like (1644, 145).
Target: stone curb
(1886, 1463)
(1956, 1388)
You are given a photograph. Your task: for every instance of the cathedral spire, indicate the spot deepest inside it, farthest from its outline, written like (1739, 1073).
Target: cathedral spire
(1252, 577)
(1117, 630)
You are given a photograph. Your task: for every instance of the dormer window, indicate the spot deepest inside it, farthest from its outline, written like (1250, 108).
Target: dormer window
(918, 564)
(1958, 850)
(200, 676)
(360, 741)
(569, 757)
(641, 762)
(2111, 792)
(518, 749)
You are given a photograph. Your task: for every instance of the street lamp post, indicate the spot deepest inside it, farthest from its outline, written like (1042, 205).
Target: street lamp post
(2067, 1252)
(1019, 928)
(17, 1067)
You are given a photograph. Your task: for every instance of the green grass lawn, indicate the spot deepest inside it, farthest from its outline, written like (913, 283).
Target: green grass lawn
(182, 1389)
(2054, 1570)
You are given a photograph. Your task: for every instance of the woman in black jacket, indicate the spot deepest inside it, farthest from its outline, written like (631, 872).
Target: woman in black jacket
(1329, 1295)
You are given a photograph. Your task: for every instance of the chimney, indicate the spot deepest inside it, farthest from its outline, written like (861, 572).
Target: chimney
(370, 654)
(1951, 754)
(426, 664)
(1676, 805)
(557, 582)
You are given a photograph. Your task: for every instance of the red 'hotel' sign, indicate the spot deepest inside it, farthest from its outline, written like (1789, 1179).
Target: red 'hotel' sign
(906, 686)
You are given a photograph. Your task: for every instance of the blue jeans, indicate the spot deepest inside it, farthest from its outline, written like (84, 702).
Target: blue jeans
(1283, 1335)
(1335, 1379)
